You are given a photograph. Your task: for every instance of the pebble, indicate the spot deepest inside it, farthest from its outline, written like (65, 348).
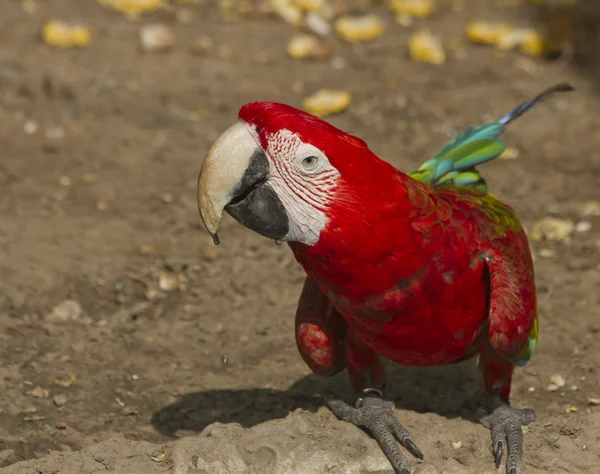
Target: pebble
(167, 281)
(556, 382)
(583, 226)
(146, 249)
(203, 45)
(39, 392)
(7, 456)
(68, 310)
(30, 127)
(317, 24)
(155, 38)
(59, 400)
(167, 198)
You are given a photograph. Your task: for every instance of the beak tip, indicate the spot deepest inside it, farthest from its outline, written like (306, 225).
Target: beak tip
(216, 239)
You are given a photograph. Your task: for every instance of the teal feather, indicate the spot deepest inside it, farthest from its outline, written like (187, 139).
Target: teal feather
(455, 163)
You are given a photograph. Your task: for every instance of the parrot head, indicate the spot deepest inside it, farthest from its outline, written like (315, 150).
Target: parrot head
(281, 172)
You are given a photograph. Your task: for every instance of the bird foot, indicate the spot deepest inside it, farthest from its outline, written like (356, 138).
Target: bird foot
(376, 414)
(505, 423)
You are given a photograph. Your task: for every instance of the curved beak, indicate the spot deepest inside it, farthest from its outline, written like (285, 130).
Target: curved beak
(234, 178)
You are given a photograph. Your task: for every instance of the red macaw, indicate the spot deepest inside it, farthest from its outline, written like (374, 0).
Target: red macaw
(425, 268)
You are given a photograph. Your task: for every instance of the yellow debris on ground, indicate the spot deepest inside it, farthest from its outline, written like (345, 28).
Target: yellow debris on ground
(287, 11)
(133, 7)
(506, 37)
(305, 46)
(487, 32)
(59, 34)
(309, 5)
(534, 44)
(359, 28)
(425, 47)
(327, 102)
(414, 8)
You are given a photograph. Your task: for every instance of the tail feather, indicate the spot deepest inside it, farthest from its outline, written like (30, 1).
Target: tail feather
(456, 161)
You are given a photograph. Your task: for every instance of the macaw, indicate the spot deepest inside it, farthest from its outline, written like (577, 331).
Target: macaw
(425, 268)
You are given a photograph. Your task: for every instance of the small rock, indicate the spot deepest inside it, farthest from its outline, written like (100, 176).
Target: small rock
(65, 181)
(59, 400)
(130, 411)
(60, 425)
(38, 392)
(167, 198)
(457, 444)
(155, 38)
(152, 294)
(583, 226)
(210, 255)
(7, 456)
(547, 253)
(167, 281)
(556, 382)
(30, 127)
(203, 45)
(146, 249)
(68, 310)
(593, 401)
(101, 206)
(317, 24)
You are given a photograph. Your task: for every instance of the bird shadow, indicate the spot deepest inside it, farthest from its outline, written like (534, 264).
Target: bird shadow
(450, 391)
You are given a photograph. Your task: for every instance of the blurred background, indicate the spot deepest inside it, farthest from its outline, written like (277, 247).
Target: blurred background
(117, 313)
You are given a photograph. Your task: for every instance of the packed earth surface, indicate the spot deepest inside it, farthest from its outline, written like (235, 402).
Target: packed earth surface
(131, 344)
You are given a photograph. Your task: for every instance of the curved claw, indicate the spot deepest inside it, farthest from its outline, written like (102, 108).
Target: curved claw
(505, 424)
(377, 415)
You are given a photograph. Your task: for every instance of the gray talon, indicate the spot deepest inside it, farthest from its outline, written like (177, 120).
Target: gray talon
(505, 424)
(376, 414)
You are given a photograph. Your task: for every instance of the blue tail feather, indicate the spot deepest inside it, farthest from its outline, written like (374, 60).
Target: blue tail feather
(456, 161)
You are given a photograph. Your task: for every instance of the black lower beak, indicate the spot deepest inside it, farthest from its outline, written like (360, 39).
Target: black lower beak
(255, 204)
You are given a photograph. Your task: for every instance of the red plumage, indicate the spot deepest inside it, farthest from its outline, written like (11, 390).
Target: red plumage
(421, 275)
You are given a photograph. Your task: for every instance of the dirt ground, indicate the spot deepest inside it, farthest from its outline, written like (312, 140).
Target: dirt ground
(165, 333)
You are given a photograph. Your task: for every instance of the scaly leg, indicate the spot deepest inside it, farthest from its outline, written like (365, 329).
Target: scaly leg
(371, 411)
(504, 421)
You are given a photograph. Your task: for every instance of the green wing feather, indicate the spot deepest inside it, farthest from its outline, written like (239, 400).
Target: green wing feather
(527, 352)
(455, 164)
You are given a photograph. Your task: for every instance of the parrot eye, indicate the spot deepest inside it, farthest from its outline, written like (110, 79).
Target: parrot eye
(310, 163)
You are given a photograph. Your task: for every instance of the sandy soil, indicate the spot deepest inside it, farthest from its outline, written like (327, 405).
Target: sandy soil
(163, 334)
